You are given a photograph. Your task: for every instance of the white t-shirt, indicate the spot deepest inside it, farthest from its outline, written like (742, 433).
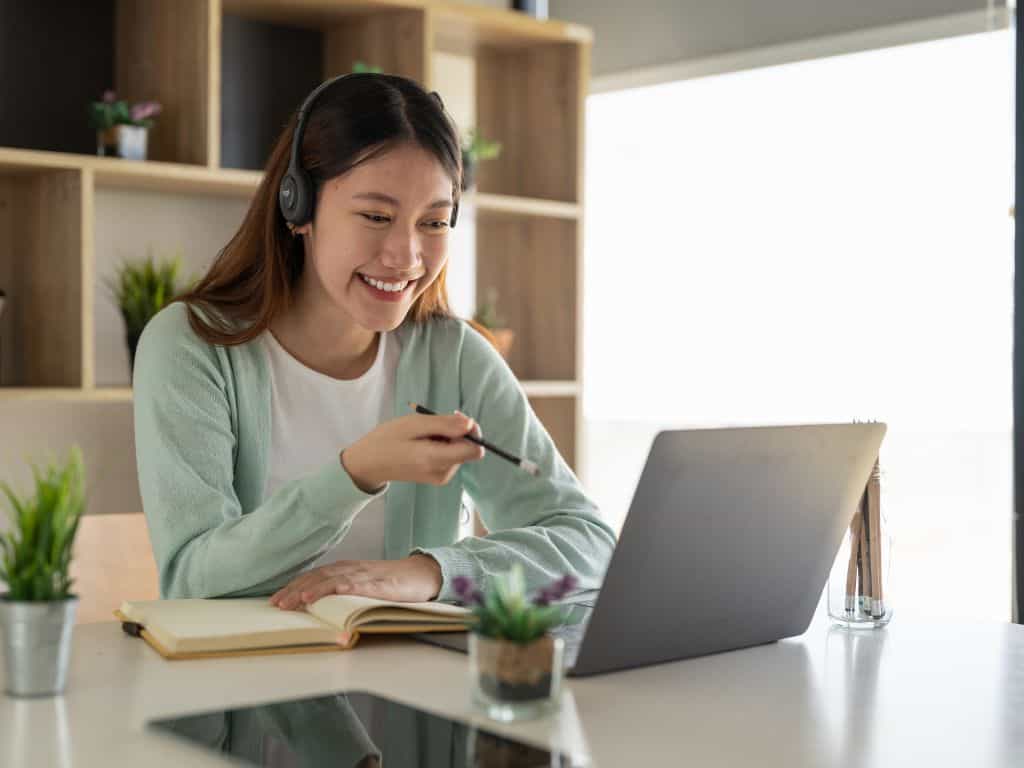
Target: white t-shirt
(313, 417)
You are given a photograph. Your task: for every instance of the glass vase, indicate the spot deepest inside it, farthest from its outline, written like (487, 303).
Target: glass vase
(515, 681)
(860, 583)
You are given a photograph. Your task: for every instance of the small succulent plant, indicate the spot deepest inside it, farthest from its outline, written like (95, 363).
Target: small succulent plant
(360, 67)
(35, 555)
(479, 148)
(505, 612)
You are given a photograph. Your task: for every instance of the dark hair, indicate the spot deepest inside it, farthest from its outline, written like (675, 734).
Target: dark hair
(353, 120)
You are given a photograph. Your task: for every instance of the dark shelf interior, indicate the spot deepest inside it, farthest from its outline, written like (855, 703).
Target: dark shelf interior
(56, 56)
(266, 71)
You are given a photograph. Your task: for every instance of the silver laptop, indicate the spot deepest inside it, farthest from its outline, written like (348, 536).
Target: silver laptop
(727, 544)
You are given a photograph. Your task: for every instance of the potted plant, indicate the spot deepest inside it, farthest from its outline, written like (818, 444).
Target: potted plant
(474, 150)
(141, 290)
(516, 662)
(121, 130)
(487, 321)
(37, 612)
(359, 67)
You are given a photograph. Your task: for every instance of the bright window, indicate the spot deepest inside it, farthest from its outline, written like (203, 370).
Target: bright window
(820, 241)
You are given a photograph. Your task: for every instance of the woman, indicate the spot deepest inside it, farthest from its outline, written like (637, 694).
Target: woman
(277, 453)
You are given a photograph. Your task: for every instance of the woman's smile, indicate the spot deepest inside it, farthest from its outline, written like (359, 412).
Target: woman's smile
(387, 291)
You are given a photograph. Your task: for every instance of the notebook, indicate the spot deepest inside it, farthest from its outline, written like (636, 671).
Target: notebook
(198, 628)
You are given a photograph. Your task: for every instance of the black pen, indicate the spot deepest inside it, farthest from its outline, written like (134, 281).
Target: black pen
(525, 464)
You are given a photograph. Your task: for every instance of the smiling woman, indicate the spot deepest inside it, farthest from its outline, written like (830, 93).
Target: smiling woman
(274, 454)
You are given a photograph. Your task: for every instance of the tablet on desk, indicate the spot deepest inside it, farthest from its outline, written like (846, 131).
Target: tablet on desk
(354, 729)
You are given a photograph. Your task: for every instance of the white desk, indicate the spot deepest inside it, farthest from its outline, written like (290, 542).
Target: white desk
(912, 695)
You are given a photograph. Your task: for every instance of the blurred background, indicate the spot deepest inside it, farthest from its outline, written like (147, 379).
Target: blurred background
(682, 213)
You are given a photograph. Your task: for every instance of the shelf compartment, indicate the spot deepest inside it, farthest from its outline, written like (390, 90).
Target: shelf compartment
(532, 262)
(533, 105)
(269, 62)
(45, 231)
(165, 52)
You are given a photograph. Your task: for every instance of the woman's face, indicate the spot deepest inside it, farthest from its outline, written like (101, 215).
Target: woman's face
(379, 236)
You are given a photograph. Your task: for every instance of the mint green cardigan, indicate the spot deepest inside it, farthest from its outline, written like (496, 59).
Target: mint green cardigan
(202, 434)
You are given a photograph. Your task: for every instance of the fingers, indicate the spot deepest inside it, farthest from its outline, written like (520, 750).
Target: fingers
(457, 452)
(452, 425)
(476, 426)
(346, 577)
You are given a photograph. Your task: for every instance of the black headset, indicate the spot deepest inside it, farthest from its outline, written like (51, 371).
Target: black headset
(296, 194)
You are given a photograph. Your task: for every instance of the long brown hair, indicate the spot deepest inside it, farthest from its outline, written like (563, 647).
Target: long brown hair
(353, 120)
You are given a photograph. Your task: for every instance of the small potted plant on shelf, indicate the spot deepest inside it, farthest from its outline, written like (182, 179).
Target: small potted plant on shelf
(121, 131)
(474, 150)
(359, 67)
(487, 321)
(141, 290)
(37, 613)
(516, 662)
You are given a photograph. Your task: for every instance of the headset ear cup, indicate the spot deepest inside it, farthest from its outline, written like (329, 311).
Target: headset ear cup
(294, 197)
(303, 198)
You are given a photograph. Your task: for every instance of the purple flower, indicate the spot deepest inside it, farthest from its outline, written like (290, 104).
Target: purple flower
(145, 110)
(556, 590)
(109, 97)
(467, 590)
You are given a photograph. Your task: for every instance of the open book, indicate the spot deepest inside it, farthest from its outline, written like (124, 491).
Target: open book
(195, 628)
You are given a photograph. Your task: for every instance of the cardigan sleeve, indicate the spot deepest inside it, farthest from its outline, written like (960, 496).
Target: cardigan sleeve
(204, 543)
(545, 523)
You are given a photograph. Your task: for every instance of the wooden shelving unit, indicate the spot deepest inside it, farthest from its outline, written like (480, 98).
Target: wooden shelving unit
(529, 85)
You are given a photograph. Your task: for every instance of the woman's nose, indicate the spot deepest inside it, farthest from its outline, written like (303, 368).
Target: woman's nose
(401, 250)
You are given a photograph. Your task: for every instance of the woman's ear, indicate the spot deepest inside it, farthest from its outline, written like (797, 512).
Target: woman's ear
(305, 229)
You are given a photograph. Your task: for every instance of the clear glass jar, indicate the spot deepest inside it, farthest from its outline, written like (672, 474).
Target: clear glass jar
(514, 681)
(860, 583)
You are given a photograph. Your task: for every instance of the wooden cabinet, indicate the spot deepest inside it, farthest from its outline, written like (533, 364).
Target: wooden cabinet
(221, 65)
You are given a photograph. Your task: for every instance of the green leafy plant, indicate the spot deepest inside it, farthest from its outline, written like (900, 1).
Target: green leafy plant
(478, 148)
(362, 66)
(143, 288)
(36, 554)
(504, 611)
(111, 111)
(487, 311)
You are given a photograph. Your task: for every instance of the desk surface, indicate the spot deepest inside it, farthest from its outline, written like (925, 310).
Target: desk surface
(944, 694)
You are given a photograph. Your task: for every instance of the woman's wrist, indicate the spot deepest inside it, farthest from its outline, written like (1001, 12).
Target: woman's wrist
(361, 472)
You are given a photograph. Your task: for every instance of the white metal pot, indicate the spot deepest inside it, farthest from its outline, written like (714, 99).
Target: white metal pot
(131, 141)
(37, 645)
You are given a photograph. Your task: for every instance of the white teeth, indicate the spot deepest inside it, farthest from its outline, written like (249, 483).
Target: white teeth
(390, 287)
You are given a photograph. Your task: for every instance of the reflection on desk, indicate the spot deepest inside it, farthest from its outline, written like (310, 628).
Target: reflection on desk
(354, 730)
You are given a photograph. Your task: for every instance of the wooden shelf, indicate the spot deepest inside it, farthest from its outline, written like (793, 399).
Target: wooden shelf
(551, 388)
(184, 178)
(525, 206)
(66, 394)
(216, 66)
(124, 394)
(131, 174)
(458, 26)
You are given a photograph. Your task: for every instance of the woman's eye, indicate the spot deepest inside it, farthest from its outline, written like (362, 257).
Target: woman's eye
(438, 226)
(376, 218)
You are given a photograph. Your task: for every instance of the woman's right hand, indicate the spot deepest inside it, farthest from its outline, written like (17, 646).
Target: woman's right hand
(416, 449)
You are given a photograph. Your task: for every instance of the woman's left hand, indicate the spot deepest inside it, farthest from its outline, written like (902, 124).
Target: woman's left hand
(413, 579)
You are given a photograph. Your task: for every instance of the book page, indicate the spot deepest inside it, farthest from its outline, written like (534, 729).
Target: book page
(207, 625)
(350, 611)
